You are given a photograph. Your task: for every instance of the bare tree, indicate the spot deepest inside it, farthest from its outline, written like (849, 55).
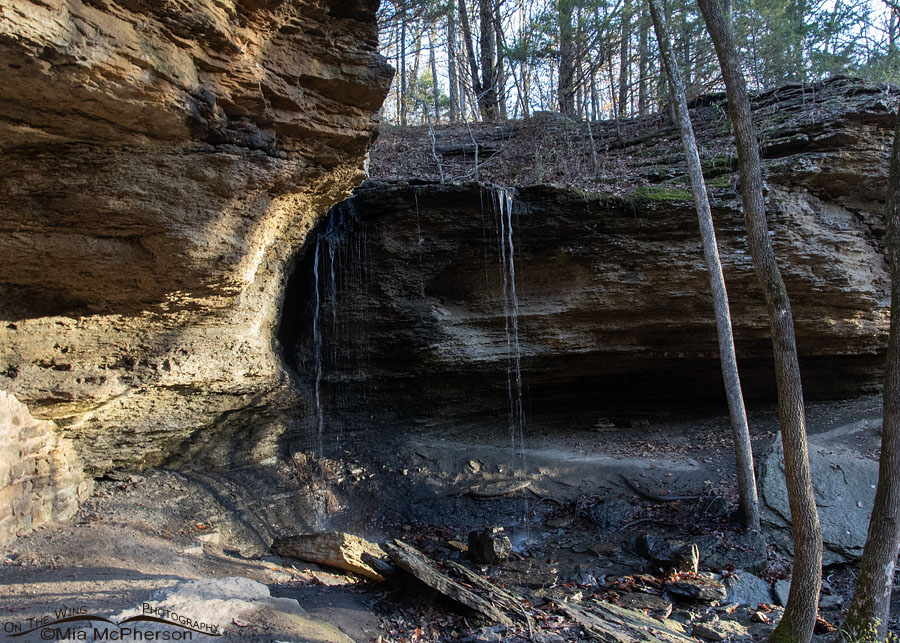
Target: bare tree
(872, 597)
(800, 613)
(749, 501)
(566, 80)
(451, 63)
(436, 92)
(624, 58)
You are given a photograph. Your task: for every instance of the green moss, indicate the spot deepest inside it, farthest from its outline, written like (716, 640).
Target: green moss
(722, 181)
(661, 193)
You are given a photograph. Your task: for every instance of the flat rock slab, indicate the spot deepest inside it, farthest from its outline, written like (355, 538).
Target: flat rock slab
(843, 481)
(746, 589)
(236, 608)
(654, 605)
(719, 630)
(697, 588)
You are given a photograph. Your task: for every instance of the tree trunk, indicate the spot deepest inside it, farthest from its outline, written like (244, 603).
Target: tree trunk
(687, 69)
(470, 53)
(402, 55)
(414, 75)
(451, 63)
(749, 501)
(872, 597)
(566, 79)
(488, 98)
(624, 59)
(800, 613)
(501, 69)
(643, 65)
(434, 82)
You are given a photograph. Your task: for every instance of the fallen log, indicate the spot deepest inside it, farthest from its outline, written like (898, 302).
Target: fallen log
(497, 595)
(411, 560)
(336, 549)
(614, 624)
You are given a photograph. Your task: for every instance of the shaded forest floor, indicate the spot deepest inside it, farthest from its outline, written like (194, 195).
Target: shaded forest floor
(575, 525)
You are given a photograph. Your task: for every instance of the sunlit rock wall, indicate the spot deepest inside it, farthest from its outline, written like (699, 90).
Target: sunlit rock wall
(160, 163)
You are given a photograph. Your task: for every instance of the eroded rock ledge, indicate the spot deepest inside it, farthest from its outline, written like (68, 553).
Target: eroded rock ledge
(160, 162)
(615, 316)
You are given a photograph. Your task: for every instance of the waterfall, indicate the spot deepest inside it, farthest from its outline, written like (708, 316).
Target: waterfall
(503, 201)
(336, 345)
(317, 342)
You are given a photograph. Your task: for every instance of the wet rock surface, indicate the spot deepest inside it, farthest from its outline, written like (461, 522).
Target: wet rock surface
(610, 292)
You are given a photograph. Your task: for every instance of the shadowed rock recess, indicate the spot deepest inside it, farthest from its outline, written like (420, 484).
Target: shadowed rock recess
(403, 309)
(160, 162)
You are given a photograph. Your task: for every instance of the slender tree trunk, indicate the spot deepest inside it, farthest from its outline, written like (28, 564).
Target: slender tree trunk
(687, 69)
(501, 68)
(800, 613)
(470, 54)
(749, 501)
(414, 75)
(643, 64)
(624, 58)
(451, 63)
(872, 597)
(892, 31)
(402, 55)
(489, 106)
(595, 99)
(566, 79)
(434, 77)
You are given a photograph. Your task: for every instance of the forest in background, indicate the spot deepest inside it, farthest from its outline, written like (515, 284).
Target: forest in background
(598, 59)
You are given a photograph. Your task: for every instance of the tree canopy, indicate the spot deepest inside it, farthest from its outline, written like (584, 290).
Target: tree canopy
(593, 59)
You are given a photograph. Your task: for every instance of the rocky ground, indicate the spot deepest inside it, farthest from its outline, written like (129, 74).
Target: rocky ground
(579, 517)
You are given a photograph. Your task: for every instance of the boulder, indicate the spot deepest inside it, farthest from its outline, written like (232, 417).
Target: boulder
(697, 588)
(489, 546)
(844, 484)
(235, 608)
(781, 590)
(670, 555)
(744, 588)
(654, 605)
(719, 630)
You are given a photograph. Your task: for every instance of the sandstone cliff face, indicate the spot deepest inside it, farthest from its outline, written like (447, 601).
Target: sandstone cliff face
(160, 162)
(614, 313)
(41, 476)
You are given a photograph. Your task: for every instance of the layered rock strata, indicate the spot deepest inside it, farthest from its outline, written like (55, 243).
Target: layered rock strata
(413, 300)
(41, 477)
(160, 162)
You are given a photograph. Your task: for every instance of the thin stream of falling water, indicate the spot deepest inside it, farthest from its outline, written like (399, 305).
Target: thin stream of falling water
(420, 240)
(339, 342)
(317, 341)
(503, 201)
